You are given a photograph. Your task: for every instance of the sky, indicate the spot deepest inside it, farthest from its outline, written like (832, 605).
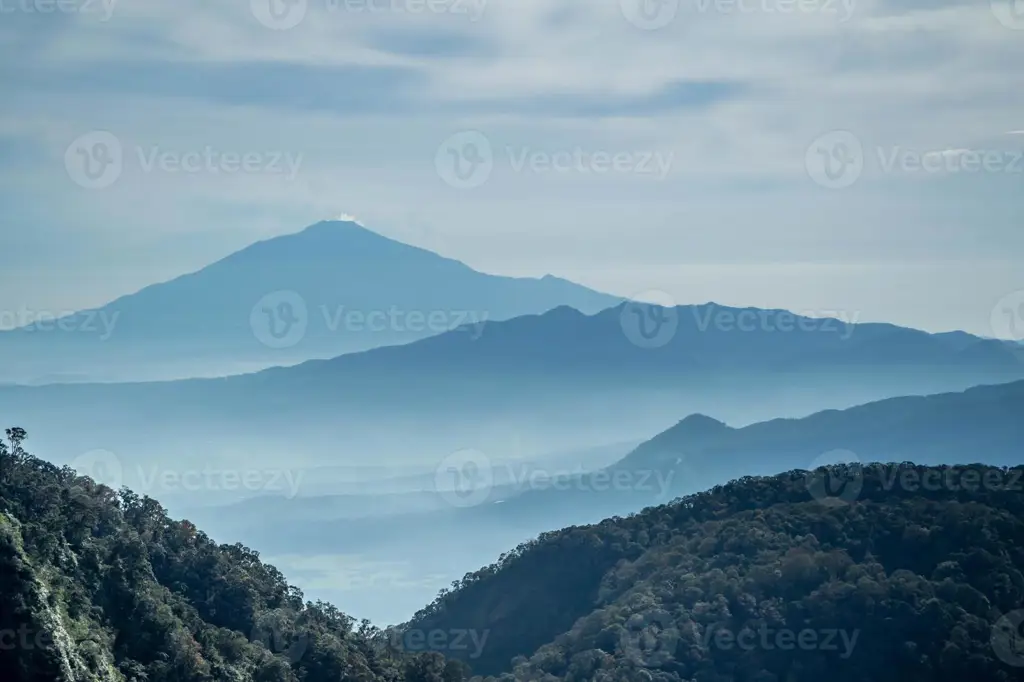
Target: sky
(863, 157)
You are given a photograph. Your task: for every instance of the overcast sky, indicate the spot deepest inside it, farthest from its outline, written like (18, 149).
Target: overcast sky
(861, 156)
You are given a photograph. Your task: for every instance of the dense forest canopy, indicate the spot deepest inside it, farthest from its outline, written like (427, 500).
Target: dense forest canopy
(102, 585)
(762, 580)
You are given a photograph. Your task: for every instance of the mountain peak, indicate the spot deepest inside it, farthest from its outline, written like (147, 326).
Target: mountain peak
(330, 239)
(345, 224)
(698, 418)
(698, 424)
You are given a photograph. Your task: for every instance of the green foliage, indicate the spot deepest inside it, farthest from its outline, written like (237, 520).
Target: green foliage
(102, 585)
(898, 585)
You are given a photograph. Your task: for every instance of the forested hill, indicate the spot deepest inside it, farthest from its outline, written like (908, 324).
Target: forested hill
(96, 585)
(847, 574)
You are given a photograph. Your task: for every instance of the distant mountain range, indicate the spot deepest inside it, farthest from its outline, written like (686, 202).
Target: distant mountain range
(539, 383)
(979, 425)
(982, 424)
(334, 288)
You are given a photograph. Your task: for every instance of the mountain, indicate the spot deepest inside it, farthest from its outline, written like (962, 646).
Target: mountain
(334, 288)
(934, 429)
(102, 586)
(700, 452)
(534, 384)
(759, 581)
